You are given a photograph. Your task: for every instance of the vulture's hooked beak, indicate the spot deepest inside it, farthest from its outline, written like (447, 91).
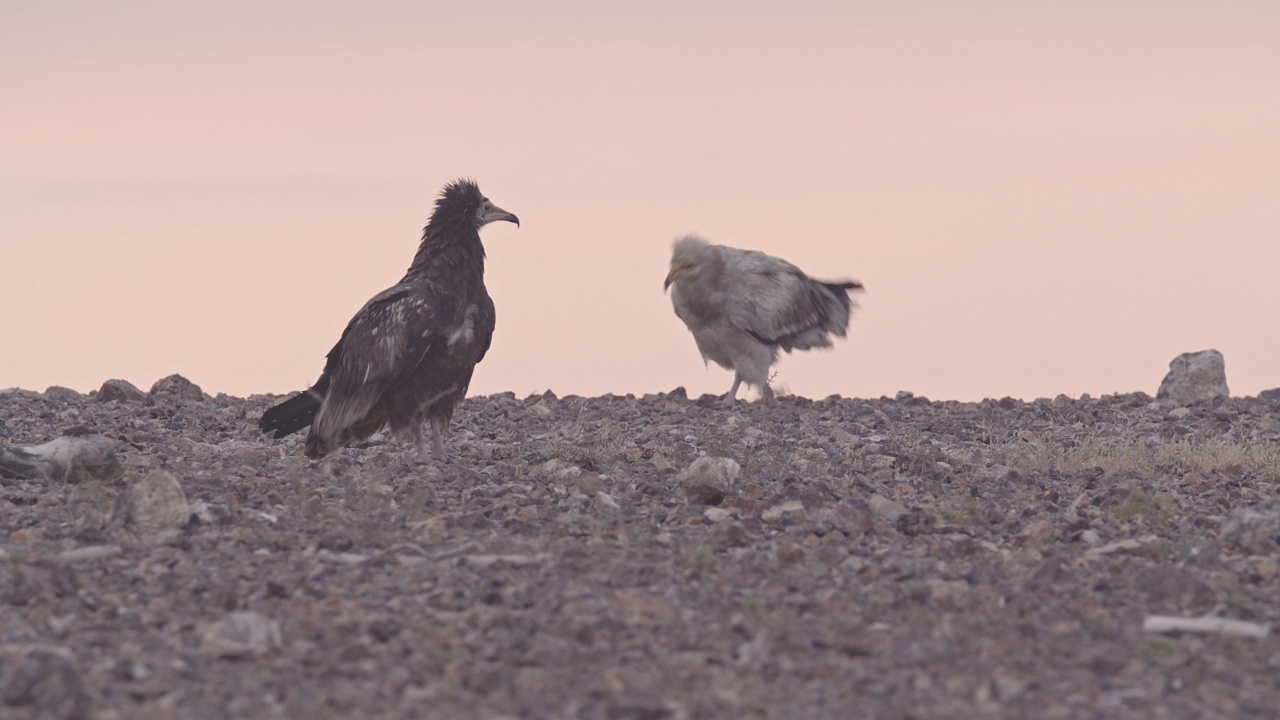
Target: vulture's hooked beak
(671, 277)
(493, 213)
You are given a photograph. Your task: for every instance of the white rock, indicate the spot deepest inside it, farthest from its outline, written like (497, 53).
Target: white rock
(511, 560)
(782, 509)
(1121, 545)
(92, 552)
(1206, 624)
(716, 514)
(1195, 377)
(243, 634)
(1253, 529)
(340, 558)
(560, 469)
(884, 507)
(607, 500)
(718, 472)
(156, 506)
(880, 461)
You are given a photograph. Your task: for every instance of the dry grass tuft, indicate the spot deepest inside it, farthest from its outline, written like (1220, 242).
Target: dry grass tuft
(1151, 458)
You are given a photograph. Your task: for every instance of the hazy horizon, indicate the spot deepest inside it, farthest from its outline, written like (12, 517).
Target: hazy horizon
(1040, 200)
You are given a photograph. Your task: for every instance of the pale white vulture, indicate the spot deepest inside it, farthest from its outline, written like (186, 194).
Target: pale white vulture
(743, 305)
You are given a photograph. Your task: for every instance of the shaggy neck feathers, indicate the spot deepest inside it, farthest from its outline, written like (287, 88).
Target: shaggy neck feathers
(451, 240)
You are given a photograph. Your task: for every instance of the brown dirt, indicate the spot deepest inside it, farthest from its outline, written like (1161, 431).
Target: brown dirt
(892, 558)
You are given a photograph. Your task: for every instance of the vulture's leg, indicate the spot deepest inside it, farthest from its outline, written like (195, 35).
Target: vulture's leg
(437, 441)
(437, 436)
(766, 393)
(423, 454)
(733, 391)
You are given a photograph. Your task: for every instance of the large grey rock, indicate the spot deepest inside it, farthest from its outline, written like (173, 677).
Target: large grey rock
(1195, 377)
(122, 390)
(177, 386)
(65, 394)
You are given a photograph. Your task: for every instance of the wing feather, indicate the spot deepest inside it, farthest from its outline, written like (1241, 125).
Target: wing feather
(382, 344)
(771, 298)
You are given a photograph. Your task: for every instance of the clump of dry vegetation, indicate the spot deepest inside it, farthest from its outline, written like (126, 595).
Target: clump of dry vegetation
(1152, 457)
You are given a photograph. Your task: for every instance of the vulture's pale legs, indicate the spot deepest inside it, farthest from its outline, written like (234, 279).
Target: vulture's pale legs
(733, 389)
(766, 392)
(437, 440)
(731, 396)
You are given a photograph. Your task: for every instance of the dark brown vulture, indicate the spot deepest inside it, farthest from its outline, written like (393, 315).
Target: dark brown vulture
(405, 360)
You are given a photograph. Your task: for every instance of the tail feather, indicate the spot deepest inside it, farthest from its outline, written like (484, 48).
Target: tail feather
(844, 285)
(292, 415)
(840, 291)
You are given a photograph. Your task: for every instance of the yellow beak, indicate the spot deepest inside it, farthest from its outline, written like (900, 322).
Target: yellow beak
(671, 277)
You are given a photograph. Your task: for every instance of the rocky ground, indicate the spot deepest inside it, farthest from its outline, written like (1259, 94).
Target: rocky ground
(648, 558)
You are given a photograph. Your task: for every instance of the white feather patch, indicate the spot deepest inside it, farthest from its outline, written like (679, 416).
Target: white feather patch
(467, 331)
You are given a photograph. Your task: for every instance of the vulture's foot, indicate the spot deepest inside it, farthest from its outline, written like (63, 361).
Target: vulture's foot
(730, 398)
(436, 450)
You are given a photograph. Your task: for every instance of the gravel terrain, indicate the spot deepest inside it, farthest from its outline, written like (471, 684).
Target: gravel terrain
(648, 558)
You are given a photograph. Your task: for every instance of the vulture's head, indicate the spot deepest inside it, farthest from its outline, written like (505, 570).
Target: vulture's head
(687, 255)
(462, 201)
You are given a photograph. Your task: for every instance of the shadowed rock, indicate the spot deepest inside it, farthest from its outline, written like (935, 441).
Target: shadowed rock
(45, 683)
(120, 390)
(177, 386)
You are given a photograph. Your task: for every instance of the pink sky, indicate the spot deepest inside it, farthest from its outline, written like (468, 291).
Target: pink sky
(1057, 200)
